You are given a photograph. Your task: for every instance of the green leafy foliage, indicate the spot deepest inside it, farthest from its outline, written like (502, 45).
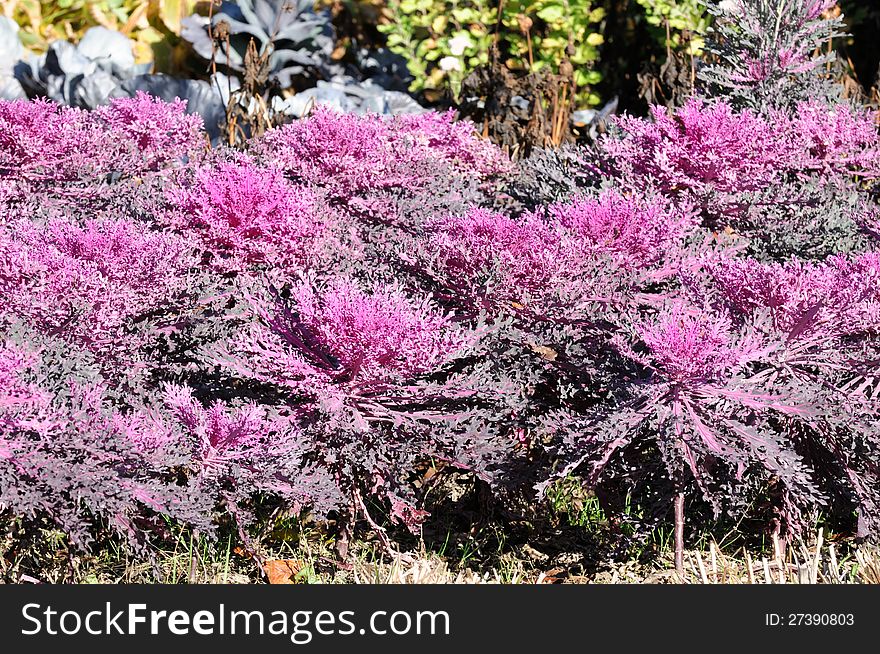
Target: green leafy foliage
(444, 40)
(147, 23)
(678, 24)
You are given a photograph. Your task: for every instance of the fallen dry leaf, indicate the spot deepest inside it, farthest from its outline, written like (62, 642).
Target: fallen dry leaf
(283, 571)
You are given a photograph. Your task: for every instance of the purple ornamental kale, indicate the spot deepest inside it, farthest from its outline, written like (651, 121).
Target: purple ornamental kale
(156, 133)
(67, 454)
(92, 284)
(701, 148)
(353, 155)
(338, 340)
(838, 141)
(42, 141)
(248, 215)
(840, 296)
(558, 258)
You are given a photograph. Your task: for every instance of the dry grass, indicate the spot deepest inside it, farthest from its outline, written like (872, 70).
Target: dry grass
(818, 562)
(308, 560)
(427, 570)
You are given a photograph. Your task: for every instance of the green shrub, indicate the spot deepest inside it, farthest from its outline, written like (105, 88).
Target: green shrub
(443, 40)
(678, 24)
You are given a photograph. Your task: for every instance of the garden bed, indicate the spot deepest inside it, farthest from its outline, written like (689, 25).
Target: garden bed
(359, 336)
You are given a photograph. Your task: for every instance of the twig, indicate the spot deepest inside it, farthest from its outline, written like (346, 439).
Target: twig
(814, 573)
(378, 529)
(703, 575)
(679, 533)
(714, 560)
(749, 566)
(777, 550)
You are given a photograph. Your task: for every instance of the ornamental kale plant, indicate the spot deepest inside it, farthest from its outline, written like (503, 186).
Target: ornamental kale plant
(152, 257)
(700, 149)
(97, 286)
(838, 295)
(247, 215)
(765, 52)
(340, 337)
(42, 142)
(69, 456)
(764, 156)
(788, 182)
(686, 313)
(704, 392)
(232, 453)
(556, 261)
(767, 390)
(372, 165)
(704, 150)
(355, 366)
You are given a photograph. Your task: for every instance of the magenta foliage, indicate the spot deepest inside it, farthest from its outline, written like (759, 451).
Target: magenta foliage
(40, 140)
(700, 148)
(342, 339)
(7, 191)
(65, 453)
(637, 230)
(68, 451)
(838, 140)
(772, 53)
(785, 181)
(351, 154)
(454, 142)
(794, 57)
(90, 283)
(218, 358)
(556, 256)
(704, 148)
(221, 436)
(838, 296)
(688, 345)
(25, 406)
(780, 373)
(17, 394)
(520, 257)
(345, 152)
(160, 132)
(358, 363)
(149, 434)
(247, 215)
(22, 404)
